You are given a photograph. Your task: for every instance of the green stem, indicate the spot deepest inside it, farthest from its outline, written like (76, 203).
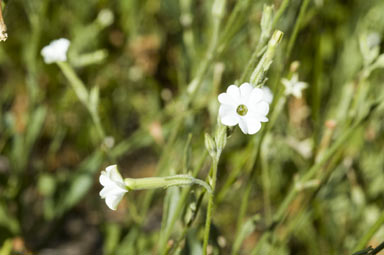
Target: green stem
(283, 209)
(195, 84)
(179, 208)
(192, 90)
(82, 94)
(296, 29)
(280, 12)
(75, 82)
(99, 127)
(371, 232)
(210, 206)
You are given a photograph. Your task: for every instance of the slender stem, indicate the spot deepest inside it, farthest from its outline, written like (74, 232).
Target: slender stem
(195, 84)
(192, 90)
(283, 209)
(179, 207)
(280, 12)
(189, 224)
(371, 232)
(377, 249)
(255, 155)
(82, 93)
(296, 29)
(96, 121)
(266, 184)
(77, 85)
(210, 206)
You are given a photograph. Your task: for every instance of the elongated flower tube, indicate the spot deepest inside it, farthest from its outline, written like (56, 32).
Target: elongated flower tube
(115, 187)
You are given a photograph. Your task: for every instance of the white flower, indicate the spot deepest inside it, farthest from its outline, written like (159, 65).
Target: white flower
(268, 95)
(294, 86)
(244, 105)
(114, 187)
(56, 51)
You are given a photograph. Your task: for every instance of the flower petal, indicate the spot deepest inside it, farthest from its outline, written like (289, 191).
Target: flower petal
(226, 109)
(262, 108)
(234, 92)
(114, 174)
(230, 120)
(224, 98)
(253, 126)
(113, 201)
(243, 125)
(257, 116)
(245, 90)
(256, 95)
(103, 179)
(268, 95)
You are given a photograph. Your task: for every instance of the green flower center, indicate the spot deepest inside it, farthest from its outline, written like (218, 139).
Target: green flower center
(242, 110)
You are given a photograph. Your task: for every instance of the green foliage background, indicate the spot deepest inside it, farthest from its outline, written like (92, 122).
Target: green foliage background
(51, 153)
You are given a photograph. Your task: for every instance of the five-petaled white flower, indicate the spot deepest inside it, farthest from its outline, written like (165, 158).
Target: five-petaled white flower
(294, 86)
(114, 187)
(56, 51)
(244, 105)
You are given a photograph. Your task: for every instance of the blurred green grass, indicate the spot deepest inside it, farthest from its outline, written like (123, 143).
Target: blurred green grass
(142, 62)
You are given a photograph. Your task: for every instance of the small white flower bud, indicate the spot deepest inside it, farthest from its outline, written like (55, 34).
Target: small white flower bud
(218, 8)
(56, 51)
(105, 17)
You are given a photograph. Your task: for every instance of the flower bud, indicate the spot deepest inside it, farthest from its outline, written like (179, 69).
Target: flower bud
(267, 20)
(221, 138)
(218, 8)
(210, 145)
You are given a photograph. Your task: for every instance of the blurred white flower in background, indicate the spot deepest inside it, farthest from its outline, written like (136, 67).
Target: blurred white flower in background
(294, 86)
(56, 51)
(245, 105)
(268, 95)
(105, 17)
(114, 186)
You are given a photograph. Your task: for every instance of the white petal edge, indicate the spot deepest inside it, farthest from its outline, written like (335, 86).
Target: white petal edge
(245, 90)
(243, 125)
(113, 201)
(234, 92)
(257, 95)
(230, 120)
(253, 126)
(224, 98)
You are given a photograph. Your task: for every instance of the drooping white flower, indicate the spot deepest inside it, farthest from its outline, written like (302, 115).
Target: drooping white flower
(114, 187)
(268, 95)
(56, 51)
(294, 86)
(245, 105)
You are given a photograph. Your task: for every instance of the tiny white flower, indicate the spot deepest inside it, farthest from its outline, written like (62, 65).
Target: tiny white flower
(114, 186)
(268, 95)
(56, 51)
(245, 105)
(294, 86)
